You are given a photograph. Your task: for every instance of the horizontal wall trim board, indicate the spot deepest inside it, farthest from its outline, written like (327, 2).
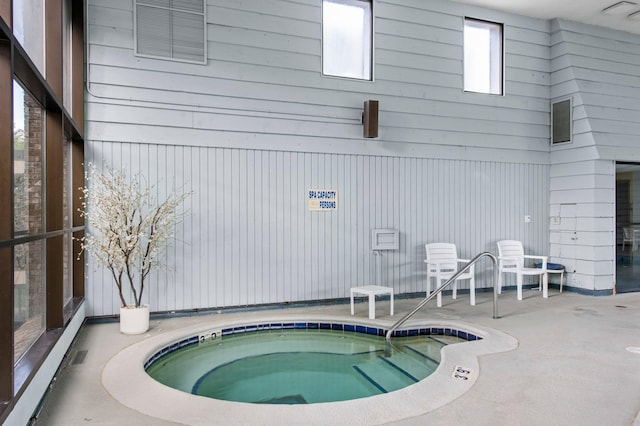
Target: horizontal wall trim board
(378, 148)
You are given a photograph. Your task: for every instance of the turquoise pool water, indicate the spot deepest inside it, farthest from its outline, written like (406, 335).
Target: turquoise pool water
(299, 366)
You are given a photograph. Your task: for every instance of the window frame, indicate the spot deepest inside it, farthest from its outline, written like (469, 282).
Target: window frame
(17, 376)
(500, 56)
(569, 119)
(371, 40)
(41, 145)
(144, 3)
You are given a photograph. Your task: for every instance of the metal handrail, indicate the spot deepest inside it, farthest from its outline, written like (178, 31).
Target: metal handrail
(438, 290)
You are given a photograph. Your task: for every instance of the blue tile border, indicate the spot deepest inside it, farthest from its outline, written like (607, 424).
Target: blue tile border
(168, 349)
(428, 331)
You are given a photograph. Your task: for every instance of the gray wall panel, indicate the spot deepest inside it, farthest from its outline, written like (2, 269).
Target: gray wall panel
(248, 237)
(598, 69)
(258, 126)
(263, 78)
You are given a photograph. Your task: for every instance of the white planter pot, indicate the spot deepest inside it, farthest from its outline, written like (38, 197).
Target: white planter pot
(134, 320)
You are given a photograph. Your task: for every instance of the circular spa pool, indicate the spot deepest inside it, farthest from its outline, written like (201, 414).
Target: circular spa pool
(124, 376)
(300, 363)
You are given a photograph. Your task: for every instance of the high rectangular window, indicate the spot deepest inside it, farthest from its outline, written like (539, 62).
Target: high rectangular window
(483, 57)
(347, 34)
(28, 28)
(561, 121)
(67, 49)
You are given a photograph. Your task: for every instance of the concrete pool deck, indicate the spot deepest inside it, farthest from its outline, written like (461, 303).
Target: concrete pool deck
(574, 364)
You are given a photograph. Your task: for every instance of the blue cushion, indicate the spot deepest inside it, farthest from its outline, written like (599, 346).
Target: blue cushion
(551, 266)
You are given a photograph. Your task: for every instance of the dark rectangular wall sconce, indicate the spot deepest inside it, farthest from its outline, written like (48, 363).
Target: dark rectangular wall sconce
(370, 119)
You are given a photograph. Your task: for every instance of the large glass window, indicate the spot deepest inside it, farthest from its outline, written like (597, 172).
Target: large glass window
(28, 28)
(28, 267)
(67, 54)
(28, 128)
(28, 296)
(347, 34)
(67, 253)
(31, 193)
(483, 57)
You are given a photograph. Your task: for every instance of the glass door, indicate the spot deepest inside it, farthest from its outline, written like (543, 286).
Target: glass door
(627, 227)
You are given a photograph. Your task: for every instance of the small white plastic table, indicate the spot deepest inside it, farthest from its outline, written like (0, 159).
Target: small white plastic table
(372, 291)
(557, 271)
(553, 268)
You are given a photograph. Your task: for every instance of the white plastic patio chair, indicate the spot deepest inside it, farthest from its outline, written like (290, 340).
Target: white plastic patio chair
(442, 263)
(511, 259)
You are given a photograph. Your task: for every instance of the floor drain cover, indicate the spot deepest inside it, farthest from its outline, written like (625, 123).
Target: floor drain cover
(80, 356)
(634, 350)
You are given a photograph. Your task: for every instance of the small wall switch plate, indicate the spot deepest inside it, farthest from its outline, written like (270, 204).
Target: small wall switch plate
(527, 218)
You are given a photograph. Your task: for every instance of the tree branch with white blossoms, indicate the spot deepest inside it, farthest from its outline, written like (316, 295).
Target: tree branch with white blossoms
(128, 229)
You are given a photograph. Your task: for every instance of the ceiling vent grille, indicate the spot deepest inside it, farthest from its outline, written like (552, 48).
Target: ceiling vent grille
(173, 29)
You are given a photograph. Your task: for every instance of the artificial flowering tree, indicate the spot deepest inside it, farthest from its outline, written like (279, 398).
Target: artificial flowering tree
(128, 229)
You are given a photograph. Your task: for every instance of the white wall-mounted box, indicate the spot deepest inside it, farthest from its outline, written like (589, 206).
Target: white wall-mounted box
(385, 239)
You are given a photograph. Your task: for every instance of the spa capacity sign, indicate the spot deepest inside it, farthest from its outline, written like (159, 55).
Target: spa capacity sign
(322, 200)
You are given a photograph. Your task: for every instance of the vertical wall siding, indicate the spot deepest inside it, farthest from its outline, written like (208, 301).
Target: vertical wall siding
(248, 237)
